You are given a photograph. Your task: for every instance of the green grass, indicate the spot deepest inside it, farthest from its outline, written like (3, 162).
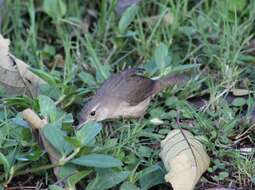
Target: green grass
(206, 39)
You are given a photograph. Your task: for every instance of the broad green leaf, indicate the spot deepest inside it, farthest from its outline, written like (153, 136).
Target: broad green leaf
(55, 187)
(50, 91)
(98, 161)
(103, 171)
(108, 181)
(66, 171)
(48, 108)
(74, 141)
(77, 177)
(145, 151)
(171, 101)
(48, 51)
(239, 102)
(88, 132)
(87, 78)
(68, 120)
(236, 5)
(47, 105)
(56, 9)
(127, 18)
(151, 176)
(161, 57)
(106, 70)
(188, 30)
(128, 186)
(55, 136)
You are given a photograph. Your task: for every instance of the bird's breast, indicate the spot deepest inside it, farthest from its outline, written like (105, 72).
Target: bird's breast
(125, 110)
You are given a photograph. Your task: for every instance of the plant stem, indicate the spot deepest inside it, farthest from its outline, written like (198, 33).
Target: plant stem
(41, 168)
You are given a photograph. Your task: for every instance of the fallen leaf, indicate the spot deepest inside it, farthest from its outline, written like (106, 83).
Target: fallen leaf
(15, 76)
(184, 158)
(36, 123)
(240, 92)
(33, 119)
(58, 62)
(167, 19)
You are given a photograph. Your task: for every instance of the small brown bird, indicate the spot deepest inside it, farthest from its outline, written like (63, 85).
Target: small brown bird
(126, 94)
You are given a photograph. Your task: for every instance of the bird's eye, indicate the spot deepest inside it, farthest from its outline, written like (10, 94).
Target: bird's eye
(93, 113)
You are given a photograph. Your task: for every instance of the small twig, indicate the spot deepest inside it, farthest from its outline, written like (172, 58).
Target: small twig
(26, 181)
(238, 137)
(41, 168)
(37, 123)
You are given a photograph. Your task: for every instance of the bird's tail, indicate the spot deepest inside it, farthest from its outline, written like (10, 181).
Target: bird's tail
(167, 81)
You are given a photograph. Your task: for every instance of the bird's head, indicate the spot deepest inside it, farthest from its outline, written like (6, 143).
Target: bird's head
(94, 110)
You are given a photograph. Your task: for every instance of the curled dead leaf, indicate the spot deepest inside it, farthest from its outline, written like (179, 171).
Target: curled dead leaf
(167, 19)
(15, 76)
(33, 119)
(58, 62)
(240, 92)
(184, 158)
(37, 123)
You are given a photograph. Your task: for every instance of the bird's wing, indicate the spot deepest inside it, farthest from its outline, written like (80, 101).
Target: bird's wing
(127, 86)
(138, 88)
(114, 80)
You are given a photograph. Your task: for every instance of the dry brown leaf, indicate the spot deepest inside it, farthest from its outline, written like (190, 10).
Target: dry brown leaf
(33, 119)
(167, 19)
(58, 62)
(37, 123)
(184, 158)
(240, 92)
(15, 76)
